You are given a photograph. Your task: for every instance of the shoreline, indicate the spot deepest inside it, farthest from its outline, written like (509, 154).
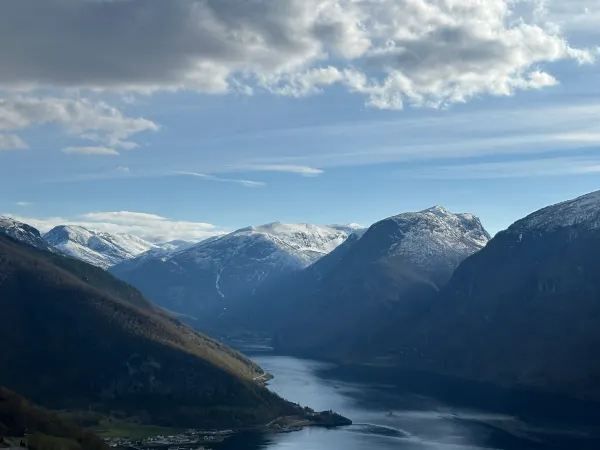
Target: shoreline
(191, 438)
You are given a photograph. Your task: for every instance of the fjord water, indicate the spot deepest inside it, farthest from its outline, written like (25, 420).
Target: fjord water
(385, 417)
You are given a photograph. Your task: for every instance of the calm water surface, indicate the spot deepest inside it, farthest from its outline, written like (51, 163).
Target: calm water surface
(386, 418)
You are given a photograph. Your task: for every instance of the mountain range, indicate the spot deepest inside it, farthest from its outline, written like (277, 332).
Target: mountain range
(427, 291)
(378, 279)
(206, 279)
(98, 248)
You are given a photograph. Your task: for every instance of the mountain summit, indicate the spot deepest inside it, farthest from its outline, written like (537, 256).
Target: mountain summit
(97, 248)
(434, 240)
(21, 232)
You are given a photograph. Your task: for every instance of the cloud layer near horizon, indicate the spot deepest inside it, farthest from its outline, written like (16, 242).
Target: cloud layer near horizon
(152, 227)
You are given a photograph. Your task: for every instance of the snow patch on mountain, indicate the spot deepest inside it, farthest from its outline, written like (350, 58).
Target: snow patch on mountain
(582, 211)
(303, 241)
(171, 247)
(97, 248)
(435, 234)
(241, 261)
(22, 232)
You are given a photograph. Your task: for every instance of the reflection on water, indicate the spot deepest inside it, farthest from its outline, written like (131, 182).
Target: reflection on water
(386, 418)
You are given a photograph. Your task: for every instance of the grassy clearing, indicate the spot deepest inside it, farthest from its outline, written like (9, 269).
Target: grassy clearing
(114, 428)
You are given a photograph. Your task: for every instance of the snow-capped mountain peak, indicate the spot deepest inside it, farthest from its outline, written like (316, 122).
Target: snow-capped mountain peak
(439, 221)
(98, 248)
(434, 234)
(437, 209)
(203, 278)
(21, 232)
(582, 211)
(307, 241)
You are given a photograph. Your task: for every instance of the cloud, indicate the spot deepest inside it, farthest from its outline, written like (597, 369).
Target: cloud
(210, 177)
(124, 170)
(23, 204)
(508, 169)
(584, 137)
(93, 121)
(11, 142)
(152, 227)
(575, 15)
(546, 128)
(304, 83)
(90, 150)
(394, 52)
(306, 171)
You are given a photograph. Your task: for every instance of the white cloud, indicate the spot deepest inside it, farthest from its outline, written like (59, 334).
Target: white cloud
(23, 204)
(93, 121)
(508, 169)
(210, 177)
(548, 128)
(304, 83)
(583, 137)
(395, 52)
(11, 142)
(574, 15)
(152, 227)
(90, 150)
(438, 52)
(124, 170)
(306, 171)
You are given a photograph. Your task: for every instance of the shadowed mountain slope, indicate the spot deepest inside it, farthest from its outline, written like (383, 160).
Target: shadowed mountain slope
(72, 336)
(208, 279)
(525, 310)
(44, 429)
(374, 282)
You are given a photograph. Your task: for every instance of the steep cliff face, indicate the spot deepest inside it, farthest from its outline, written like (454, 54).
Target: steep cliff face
(524, 311)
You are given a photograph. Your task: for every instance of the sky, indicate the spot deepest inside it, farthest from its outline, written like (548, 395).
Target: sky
(185, 119)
